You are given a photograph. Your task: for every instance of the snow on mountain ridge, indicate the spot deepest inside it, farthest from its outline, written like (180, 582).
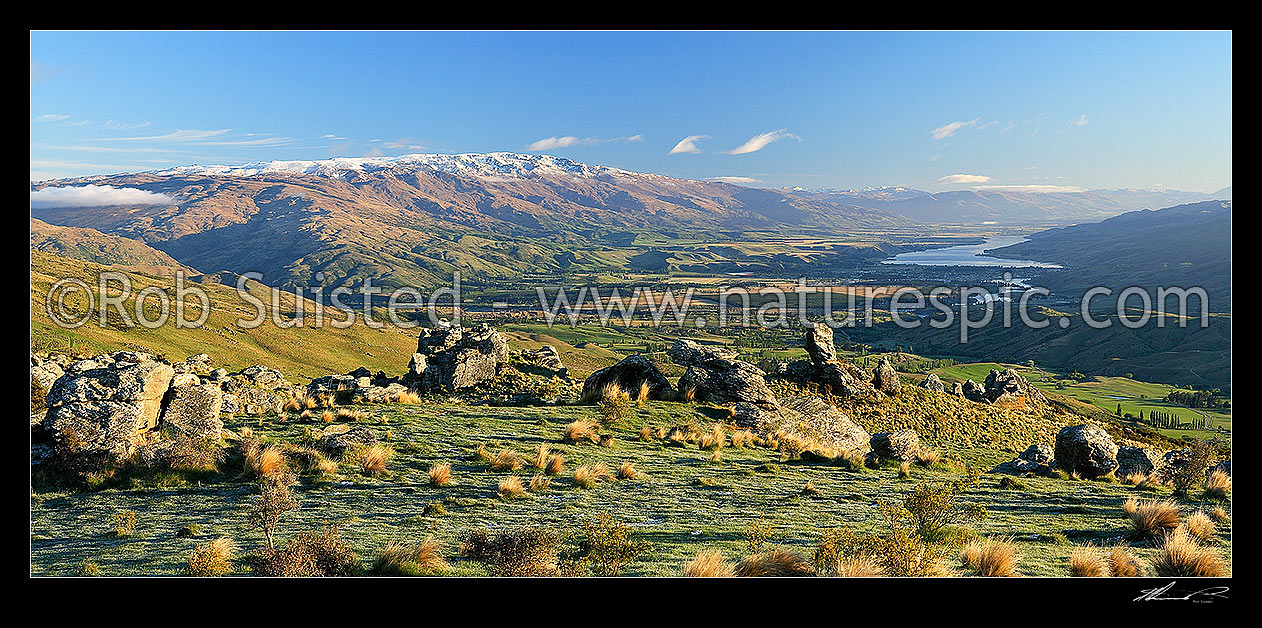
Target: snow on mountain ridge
(484, 165)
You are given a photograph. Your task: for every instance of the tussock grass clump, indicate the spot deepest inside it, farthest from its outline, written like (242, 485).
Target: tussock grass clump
(555, 465)
(588, 475)
(926, 457)
(627, 471)
(1217, 486)
(777, 563)
(1201, 526)
(642, 394)
(540, 484)
(410, 559)
(88, 569)
(1181, 556)
(1086, 561)
(1133, 479)
(707, 564)
(904, 470)
(525, 552)
(1009, 483)
(1122, 563)
(439, 474)
(606, 440)
(541, 457)
(374, 459)
(716, 439)
(1219, 514)
(212, 559)
(742, 438)
(511, 488)
(407, 397)
(646, 434)
(580, 431)
(480, 454)
(810, 490)
(1151, 518)
(505, 460)
(990, 557)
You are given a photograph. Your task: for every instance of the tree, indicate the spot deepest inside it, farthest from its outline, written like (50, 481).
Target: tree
(274, 500)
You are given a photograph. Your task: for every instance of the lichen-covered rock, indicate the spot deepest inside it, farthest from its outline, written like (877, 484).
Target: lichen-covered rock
(192, 411)
(885, 378)
(1008, 388)
(456, 358)
(900, 445)
(336, 440)
(1134, 460)
(819, 344)
(249, 399)
(546, 357)
(973, 391)
(933, 383)
(715, 375)
(1086, 450)
(45, 372)
(266, 378)
(817, 420)
(109, 410)
(1039, 453)
(628, 375)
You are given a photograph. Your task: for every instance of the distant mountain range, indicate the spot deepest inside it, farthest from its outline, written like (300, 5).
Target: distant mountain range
(414, 219)
(1184, 246)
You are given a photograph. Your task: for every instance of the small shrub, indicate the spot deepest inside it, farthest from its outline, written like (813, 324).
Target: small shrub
(707, 564)
(308, 554)
(608, 546)
(88, 569)
(124, 524)
(756, 535)
(525, 552)
(274, 501)
(212, 559)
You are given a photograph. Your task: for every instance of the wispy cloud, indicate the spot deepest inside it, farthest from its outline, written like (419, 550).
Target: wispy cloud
(1080, 120)
(760, 141)
(733, 179)
(96, 196)
(566, 141)
(51, 117)
(964, 178)
(256, 142)
(688, 145)
(181, 135)
(947, 130)
(404, 143)
(1034, 189)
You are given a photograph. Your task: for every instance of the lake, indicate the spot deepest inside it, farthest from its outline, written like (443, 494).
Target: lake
(969, 255)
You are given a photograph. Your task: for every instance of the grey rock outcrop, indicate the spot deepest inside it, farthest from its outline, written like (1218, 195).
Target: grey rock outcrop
(933, 383)
(192, 411)
(455, 358)
(715, 375)
(818, 420)
(1135, 460)
(546, 358)
(1086, 450)
(819, 344)
(900, 445)
(110, 409)
(629, 375)
(885, 378)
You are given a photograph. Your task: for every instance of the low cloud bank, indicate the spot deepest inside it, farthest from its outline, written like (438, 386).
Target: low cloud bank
(96, 196)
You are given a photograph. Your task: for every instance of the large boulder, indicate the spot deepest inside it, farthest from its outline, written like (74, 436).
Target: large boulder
(933, 383)
(972, 391)
(1009, 388)
(819, 344)
(1134, 460)
(1039, 453)
(629, 375)
(192, 411)
(817, 420)
(45, 372)
(715, 375)
(885, 378)
(546, 358)
(1086, 450)
(900, 445)
(1037, 458)
(455, 358)
(109, 410)
(265, 378)
(243, 396)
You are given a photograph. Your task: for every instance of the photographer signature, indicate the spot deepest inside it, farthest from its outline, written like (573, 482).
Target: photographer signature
(1165, 594)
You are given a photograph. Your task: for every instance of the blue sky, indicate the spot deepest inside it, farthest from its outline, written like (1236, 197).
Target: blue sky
(931, 110)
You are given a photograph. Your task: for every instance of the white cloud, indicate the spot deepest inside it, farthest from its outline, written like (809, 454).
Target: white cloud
(947, 130)
(96, 196)
(688, 145)
(404, 143)
(760, 141)
(964, 178)
(1080, 120)
(182, 135)
(52, 117)
(1034, 189)
(733, 179)
(553, 143)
